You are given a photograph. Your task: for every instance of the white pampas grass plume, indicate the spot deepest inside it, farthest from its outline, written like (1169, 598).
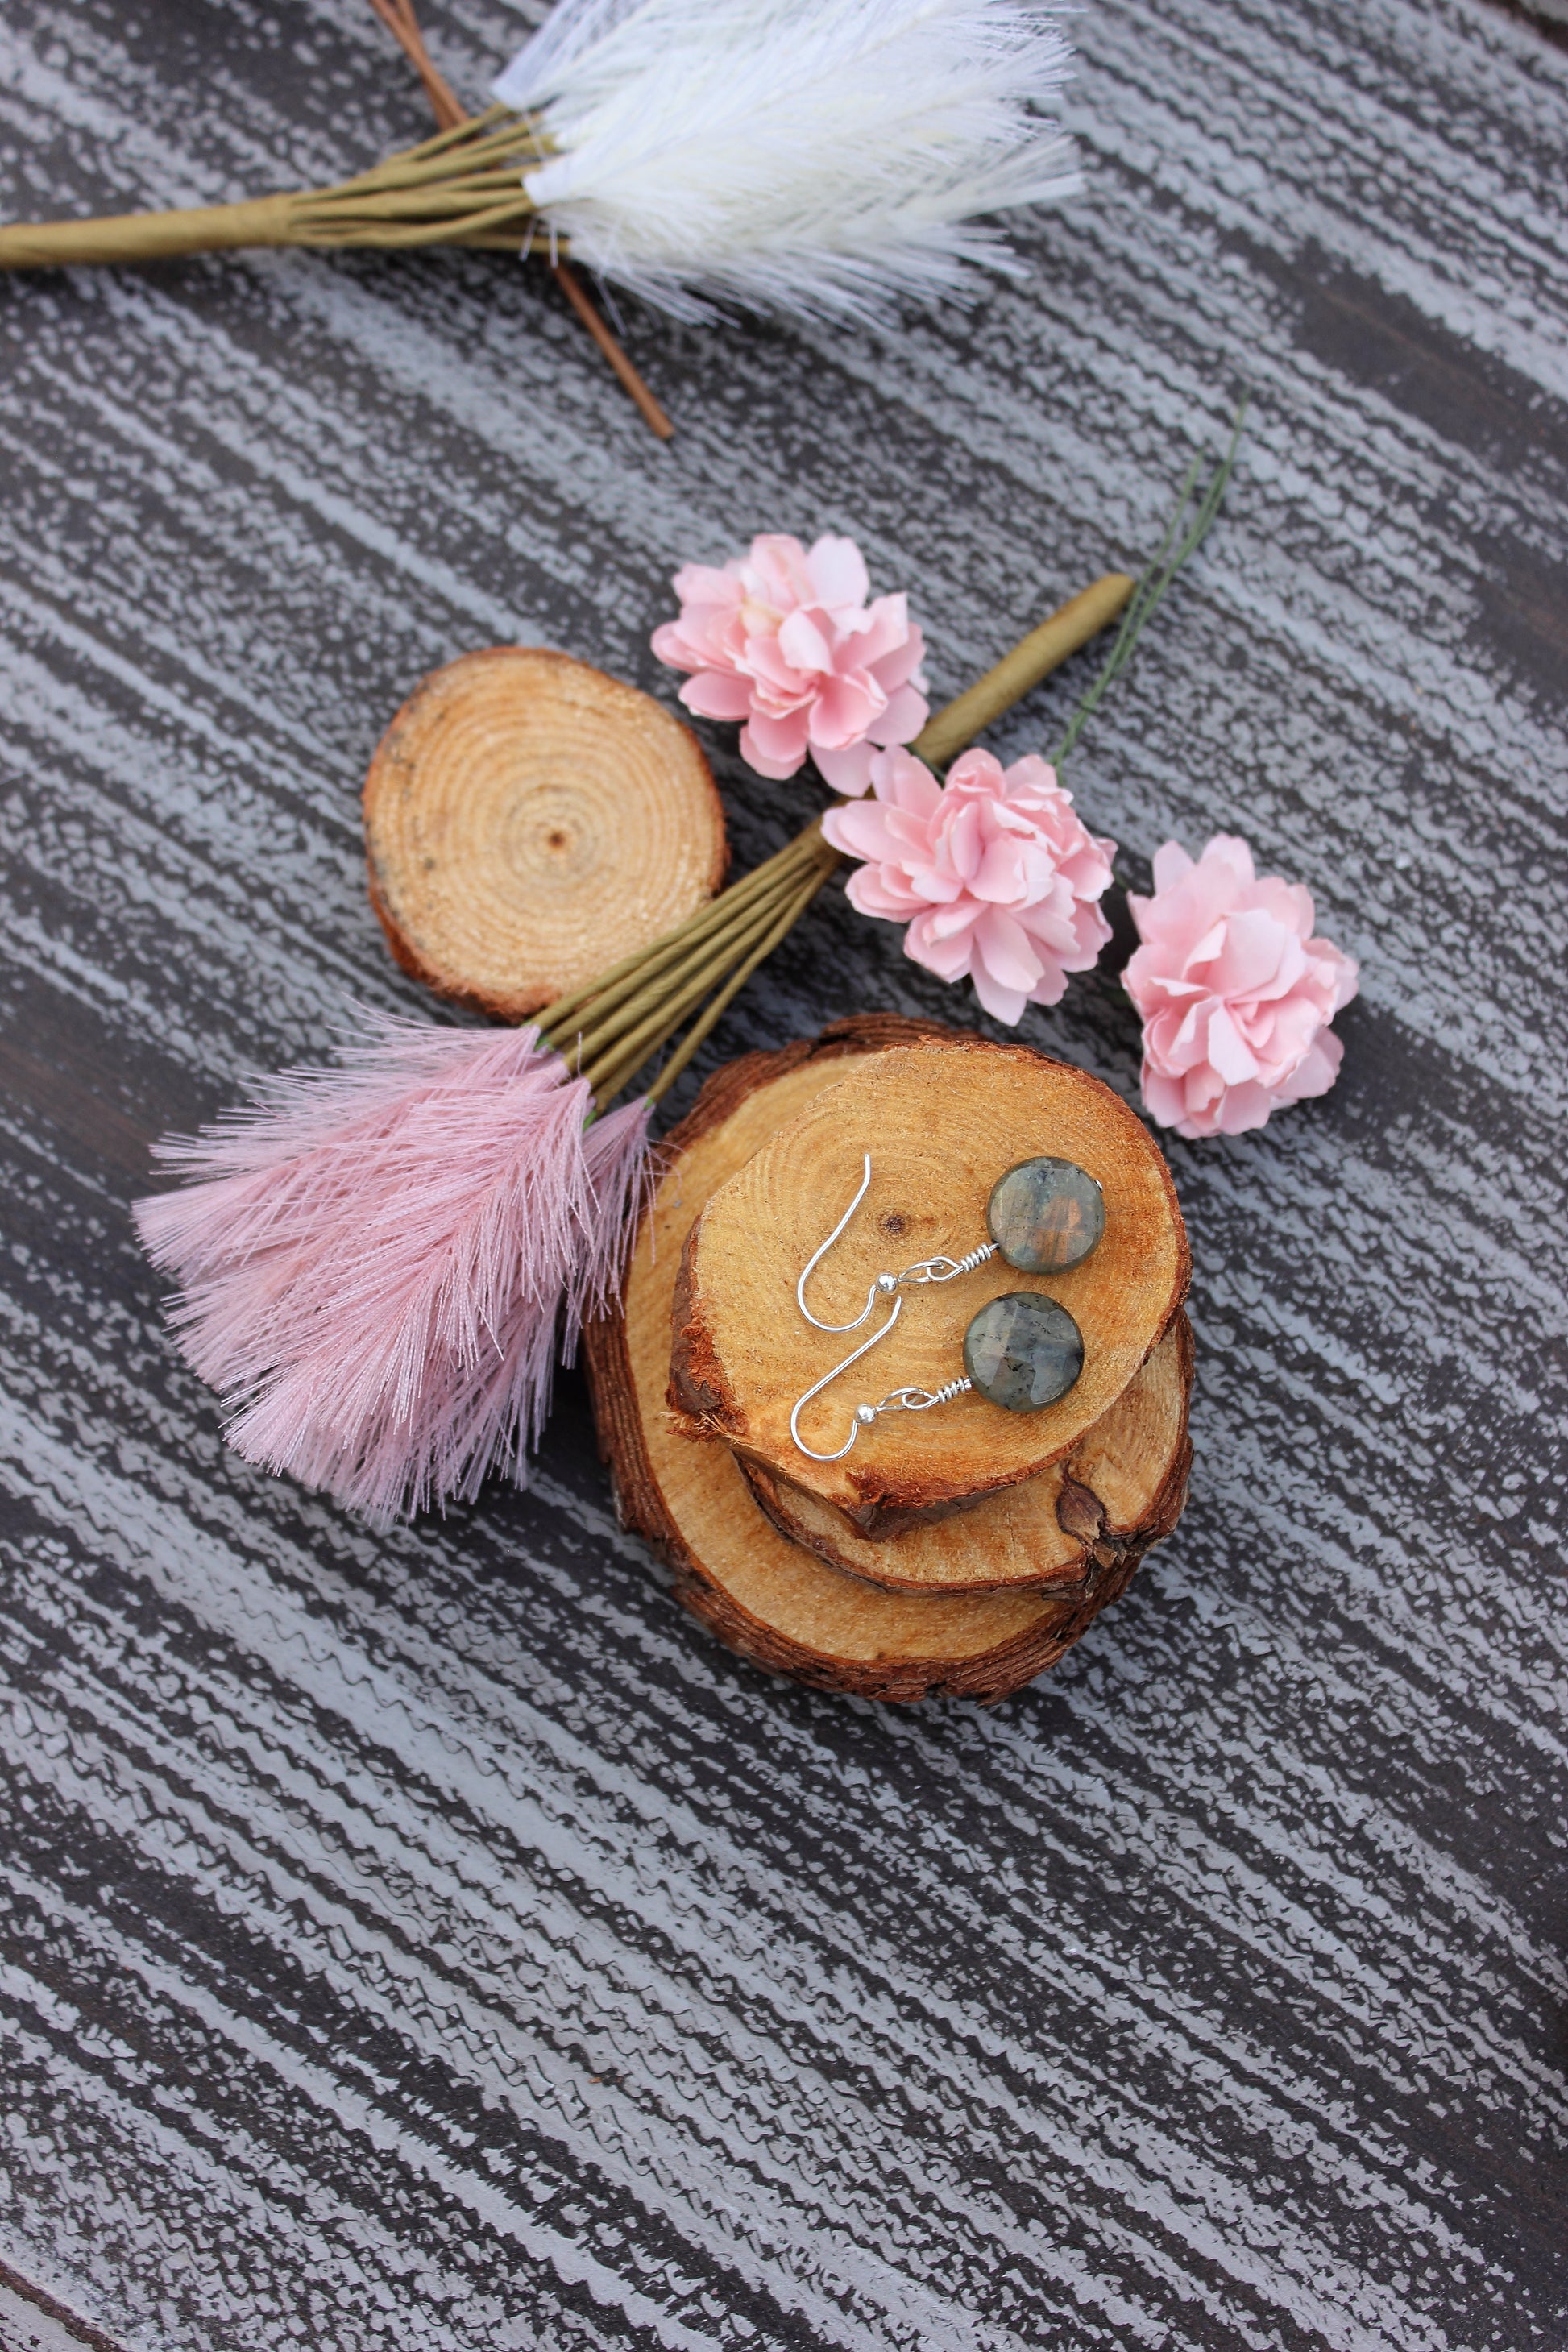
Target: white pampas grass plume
(817, 157)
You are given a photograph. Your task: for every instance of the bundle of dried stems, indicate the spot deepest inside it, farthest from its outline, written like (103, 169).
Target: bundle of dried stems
(461, 187)
(464, 186)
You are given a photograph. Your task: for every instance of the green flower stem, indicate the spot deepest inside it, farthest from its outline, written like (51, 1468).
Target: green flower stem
(1156, 580)
(703, 958)
(650, 978)
(607, 987)
(608, 1078)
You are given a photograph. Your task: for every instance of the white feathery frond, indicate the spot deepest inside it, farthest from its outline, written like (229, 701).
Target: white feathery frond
(817, 157)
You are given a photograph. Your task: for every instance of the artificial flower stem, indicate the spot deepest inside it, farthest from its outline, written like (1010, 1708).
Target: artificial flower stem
(611, 1069)
(423, 232)
(644, 962)
(1156, 580)
(464, 128)
(657, 978)
(649, 992)
(435, 193)
(633, 999)
(712, 953)
(701, 1028)
(1132, 619)
(148, 236)
(669, 1010)
(1043, 650)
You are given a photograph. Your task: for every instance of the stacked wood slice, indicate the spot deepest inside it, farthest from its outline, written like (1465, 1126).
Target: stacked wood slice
(958, 1549)
(529, 820)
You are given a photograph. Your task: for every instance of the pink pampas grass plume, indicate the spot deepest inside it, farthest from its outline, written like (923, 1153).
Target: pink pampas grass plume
(379, 1263)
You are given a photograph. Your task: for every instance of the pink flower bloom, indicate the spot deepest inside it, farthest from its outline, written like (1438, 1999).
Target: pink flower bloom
(1236, 994)
(783, 638)
(992, 872)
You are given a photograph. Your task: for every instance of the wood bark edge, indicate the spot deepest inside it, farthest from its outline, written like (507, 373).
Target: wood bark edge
(1092, 1539)
(1042, 1630)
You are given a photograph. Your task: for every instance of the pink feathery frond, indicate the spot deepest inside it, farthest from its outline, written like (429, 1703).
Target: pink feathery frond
(621, 1174)
(379, 1263)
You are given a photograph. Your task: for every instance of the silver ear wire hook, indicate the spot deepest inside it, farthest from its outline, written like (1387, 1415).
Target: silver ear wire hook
(853, 1358)
(813, 1262)
(925, 1269)
(905, 1400)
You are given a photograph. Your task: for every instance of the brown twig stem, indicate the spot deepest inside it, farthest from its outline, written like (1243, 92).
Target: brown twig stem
(655, 417)
(401, 22)
(462, 187)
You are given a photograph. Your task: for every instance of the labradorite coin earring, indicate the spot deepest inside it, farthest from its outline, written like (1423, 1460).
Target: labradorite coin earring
(1046, 1215)
(1023, 1351)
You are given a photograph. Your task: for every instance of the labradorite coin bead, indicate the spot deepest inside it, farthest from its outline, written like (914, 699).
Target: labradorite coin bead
(1046, 1215)
(1023, 1351)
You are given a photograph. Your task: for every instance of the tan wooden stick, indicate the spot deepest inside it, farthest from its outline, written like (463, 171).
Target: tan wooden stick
(1042, 651)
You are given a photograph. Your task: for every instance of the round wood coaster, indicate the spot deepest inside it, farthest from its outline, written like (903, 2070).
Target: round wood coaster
(773, 1599)
(528, 821)
(941, 1120)
(1123, 1487)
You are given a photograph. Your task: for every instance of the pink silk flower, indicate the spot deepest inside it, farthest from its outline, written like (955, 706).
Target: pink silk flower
(1234, 993)
(783, 638)
(992, 872)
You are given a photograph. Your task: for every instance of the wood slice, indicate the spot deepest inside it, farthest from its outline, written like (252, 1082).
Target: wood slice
(943, 1119)
(1122, 1485)
(770, 1599)
(529, 820)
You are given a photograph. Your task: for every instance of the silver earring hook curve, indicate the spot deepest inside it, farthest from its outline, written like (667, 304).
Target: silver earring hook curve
(815, 1259)
(828, 1378)
(925, 1269)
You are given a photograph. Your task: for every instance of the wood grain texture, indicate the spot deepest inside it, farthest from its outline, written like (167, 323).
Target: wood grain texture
(436, 1942)
(938, 1120)
(528, 823)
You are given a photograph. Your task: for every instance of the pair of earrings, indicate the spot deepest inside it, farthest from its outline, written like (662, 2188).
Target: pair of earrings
(1022, 1351)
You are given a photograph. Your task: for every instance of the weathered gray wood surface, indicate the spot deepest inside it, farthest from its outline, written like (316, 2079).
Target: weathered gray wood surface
(436, 1942)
